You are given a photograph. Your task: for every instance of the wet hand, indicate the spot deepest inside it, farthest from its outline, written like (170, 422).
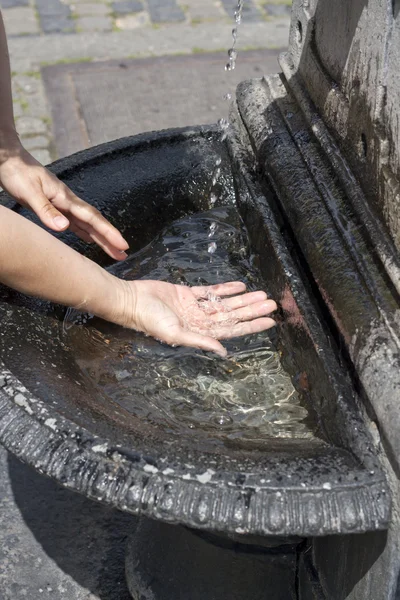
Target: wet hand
(195, 316)
(34, 187)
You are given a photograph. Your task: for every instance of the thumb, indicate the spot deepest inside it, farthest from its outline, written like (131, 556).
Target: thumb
(47, 213)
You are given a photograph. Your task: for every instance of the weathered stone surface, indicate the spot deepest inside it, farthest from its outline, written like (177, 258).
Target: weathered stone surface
(165, 11)
(35, 142)
(54, 16)
(42, 155)
(124, 7)
(204, 11)
(30, 125)
(55, 544)
(12, 3)
(20, 20)
(277, 10)
(133, 21)
(94, 23)
(250, 11)
(91, 9)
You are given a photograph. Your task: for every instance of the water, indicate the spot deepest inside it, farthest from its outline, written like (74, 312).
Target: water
(223, 123)
(247, 396)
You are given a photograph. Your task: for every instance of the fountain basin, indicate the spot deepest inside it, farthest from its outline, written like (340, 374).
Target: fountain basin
(53, 418)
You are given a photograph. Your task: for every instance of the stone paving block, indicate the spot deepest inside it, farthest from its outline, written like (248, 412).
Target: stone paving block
(91, 9)
(165, 11)
(30, 126)
(37, 142)
(125, 7)
(250, 12)
(20, 21)
(278, 10)
(94, 23)
(42, 155)
(206, 10)
(18, 110)
(133, 21)
(13, 3)
(27, 84)
(55, 17)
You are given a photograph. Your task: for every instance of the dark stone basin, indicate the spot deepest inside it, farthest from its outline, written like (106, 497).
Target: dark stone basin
(53, 418)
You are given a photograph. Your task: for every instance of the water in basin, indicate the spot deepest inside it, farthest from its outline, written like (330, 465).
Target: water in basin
(247, 396)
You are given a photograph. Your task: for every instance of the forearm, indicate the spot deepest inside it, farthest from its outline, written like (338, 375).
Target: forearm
(8, 135)
(34, 262)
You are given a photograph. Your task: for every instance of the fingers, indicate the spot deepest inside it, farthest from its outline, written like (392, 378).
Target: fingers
(101, 241)
(245, 300)
(246, 313)
(245, 328)
(221, 289)
(202, 342)
(47, 213)
(91, 220)
(81, 233)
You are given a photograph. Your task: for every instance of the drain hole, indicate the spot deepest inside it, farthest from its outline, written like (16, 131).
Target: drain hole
(364, 144)
(299, 32)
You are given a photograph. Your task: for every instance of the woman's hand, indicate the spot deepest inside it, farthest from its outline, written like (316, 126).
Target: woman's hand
(194, 316)
(34, 187)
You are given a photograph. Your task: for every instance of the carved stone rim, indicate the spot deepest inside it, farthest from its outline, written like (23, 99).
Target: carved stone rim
(113, 480)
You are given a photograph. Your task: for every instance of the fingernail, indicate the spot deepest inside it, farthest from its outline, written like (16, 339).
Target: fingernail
(60, 222)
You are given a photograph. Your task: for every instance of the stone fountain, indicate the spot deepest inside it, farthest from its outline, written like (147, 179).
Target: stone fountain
(312, 168)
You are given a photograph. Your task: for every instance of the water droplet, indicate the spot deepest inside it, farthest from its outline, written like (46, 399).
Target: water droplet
(213, 228)
(222, 419)
(213, 199)
(228, 97)
(232, 53)
(212, 246)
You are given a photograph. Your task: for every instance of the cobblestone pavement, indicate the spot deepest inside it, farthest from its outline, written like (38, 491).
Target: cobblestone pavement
(42, 32)
(57, 545)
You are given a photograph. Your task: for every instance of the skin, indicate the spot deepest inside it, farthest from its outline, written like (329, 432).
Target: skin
(34, 262)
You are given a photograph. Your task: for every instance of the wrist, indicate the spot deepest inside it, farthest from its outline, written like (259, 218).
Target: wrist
(10, 144)
(114, 300)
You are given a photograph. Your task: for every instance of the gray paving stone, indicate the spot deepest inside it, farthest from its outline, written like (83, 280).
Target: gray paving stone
(13, 3)
(26, 83)
(42, 155)
(18, 110)
(20, 20)
(278, 10)
(55, 17)
(165, 11)
(94, 23)
(30, 125)
(27, 53)
(36, 142)
(134, 21)
(91, 9)
(125, 7)
(206, 10)
(250, 12)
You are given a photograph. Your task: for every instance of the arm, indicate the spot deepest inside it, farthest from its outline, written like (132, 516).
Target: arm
(36, 188)
(8, 134)
(38, 264)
